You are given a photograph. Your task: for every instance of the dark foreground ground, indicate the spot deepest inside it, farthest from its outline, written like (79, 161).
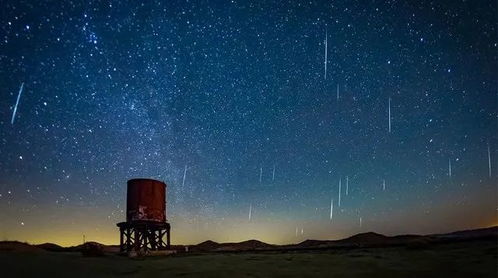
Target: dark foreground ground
(458, 259)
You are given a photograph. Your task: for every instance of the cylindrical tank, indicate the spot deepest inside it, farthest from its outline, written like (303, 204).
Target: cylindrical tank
(146, 200)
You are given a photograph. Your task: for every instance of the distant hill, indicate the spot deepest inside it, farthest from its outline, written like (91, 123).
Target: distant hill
(469, 234)
(372, 239)
(51, 247)
(245, 245)
(105, 248)
(16, 246)
(207, 245)
(369, 239)
(230, 246)
(312, 243)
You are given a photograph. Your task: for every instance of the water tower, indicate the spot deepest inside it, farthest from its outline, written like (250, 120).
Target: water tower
(146, 226)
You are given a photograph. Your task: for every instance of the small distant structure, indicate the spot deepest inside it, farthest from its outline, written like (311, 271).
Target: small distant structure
(146, 226)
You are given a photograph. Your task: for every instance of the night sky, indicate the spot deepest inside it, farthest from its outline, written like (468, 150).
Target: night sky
(230, 104)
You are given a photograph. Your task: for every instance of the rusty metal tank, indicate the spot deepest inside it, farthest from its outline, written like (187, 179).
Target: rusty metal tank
(146, 200)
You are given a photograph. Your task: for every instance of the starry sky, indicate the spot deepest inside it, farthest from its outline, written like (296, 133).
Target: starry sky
(230, 104)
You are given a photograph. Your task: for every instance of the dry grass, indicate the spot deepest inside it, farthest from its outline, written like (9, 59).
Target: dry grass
(464, 259)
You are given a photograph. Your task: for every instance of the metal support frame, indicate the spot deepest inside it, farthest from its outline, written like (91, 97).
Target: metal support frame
(144, 236)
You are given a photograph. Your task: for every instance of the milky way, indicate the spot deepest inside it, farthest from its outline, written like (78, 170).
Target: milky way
(236, 106)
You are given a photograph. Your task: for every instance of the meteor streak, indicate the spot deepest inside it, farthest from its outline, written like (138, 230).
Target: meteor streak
(17, 103)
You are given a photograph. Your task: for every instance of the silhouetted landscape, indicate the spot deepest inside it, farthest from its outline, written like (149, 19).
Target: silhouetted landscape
(336, 138)
(470, 253)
